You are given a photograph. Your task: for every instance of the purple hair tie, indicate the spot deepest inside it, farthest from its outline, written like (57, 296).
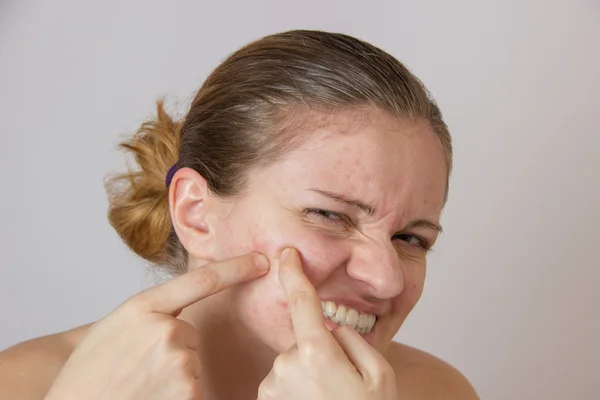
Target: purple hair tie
(170, 174)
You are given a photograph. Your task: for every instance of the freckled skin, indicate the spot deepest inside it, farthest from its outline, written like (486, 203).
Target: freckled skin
(396, 167)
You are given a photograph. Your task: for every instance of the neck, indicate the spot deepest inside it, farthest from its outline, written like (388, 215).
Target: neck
(233, 363)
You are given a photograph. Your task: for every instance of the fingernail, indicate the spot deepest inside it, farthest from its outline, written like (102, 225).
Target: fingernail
(284, 254)
(261, 261)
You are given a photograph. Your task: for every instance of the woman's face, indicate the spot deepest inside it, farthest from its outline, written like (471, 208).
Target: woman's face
(360, 200)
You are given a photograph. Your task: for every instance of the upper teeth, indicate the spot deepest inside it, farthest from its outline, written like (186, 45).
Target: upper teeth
(361, 323)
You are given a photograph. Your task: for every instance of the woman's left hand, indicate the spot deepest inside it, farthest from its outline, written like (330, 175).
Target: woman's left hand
(323, 365)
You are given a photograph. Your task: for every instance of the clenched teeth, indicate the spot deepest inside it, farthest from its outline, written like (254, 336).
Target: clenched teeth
(342, 315)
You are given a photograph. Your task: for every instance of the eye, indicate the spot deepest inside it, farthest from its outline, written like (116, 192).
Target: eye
(413, 240)
(330, 217)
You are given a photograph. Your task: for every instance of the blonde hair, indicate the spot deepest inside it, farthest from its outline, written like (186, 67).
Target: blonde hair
(237, 121)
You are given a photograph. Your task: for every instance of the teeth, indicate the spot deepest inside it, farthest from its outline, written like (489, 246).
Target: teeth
(330, 309)
(351, 317)
(361, 323)
(340, 315)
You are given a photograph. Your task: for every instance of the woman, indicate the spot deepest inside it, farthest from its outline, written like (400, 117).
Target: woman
(297, 201)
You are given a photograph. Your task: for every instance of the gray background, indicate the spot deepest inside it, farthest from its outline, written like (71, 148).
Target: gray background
(511, 297)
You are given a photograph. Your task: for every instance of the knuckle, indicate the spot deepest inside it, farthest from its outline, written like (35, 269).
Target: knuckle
(383, 372)
(207, 280)
(297, 298)
(169, 330)
(190, 390)
(265, 391)
(192, 339)
(279, 365)
(242, 266)
(182, 361)
(311, 351)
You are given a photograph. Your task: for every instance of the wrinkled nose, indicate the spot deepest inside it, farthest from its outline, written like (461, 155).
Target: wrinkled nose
(377, 264)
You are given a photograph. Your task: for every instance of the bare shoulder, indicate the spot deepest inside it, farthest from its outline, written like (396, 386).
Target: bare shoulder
(28, 369)
(423, 376)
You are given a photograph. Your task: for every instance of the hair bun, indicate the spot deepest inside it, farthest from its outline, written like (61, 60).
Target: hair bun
(138, 199)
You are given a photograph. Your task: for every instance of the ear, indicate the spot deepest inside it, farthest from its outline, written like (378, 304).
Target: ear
(189, 202)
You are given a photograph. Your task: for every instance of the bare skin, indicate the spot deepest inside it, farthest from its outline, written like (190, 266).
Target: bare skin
(102, 362)
(28, 369)
(251, 338)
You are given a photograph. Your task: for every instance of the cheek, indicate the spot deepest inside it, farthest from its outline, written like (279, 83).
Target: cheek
(415, 287)
(263, 304)
(414, 280)
(320, 254)
(256, 228)
(262, 307)
(266, 298)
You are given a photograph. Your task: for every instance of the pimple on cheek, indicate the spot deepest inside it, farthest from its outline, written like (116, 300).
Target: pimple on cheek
(269, 294)
(255, 311)
(260, 245)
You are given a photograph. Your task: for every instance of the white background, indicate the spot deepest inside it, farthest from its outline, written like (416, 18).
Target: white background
(512, 293)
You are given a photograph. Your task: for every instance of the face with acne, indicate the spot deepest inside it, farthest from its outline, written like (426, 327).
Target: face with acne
(360, 200)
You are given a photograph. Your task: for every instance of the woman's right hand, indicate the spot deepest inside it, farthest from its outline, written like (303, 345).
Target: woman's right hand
(141, 351)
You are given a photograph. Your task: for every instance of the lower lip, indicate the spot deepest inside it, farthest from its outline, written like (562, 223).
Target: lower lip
(369, 337)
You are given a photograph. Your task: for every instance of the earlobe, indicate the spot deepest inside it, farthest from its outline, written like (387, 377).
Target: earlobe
(188, 201)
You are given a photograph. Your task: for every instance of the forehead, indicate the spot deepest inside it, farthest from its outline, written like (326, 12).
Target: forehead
(370, 156)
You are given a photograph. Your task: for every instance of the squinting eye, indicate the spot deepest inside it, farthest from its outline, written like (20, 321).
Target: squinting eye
(331, 217)
(413, 241)
(327, 215)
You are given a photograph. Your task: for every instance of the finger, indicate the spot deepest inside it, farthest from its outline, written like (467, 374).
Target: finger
(268, 388)
(186, 289)
(195, 365)
(304, 304)
(367, 361)
(265, 391)
(187, 335)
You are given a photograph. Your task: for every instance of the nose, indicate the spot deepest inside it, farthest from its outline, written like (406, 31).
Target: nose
(377, 264)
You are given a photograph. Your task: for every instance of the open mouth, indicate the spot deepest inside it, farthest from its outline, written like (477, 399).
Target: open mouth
(343, 315)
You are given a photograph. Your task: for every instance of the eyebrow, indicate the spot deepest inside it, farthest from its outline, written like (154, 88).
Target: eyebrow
(423, 223)
(370, 210)
(351, 202)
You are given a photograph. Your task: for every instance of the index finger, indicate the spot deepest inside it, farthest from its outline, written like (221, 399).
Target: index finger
(184, 290)
(305, 306)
